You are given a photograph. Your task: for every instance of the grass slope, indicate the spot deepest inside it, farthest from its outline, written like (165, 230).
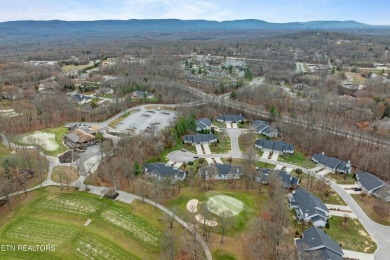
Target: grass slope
(117, 230)
(297, 158)
(353, 236)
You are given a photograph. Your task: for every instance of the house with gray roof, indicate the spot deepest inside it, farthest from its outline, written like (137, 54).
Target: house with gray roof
(316, 244)
(161, 171)
(230, 118)
(199, 139)
(81, 99)
(308, 207)
(274, 146)
(264, 128)
(331, 163)
(369, 182)
(203, 124)
(288, 181)
(221, 172)
(383, 192)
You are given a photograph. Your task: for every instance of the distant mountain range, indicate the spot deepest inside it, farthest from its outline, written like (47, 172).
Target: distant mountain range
(44, 29)
(175, 24)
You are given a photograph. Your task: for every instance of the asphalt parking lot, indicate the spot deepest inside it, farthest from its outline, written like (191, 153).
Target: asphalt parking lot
(143, 120)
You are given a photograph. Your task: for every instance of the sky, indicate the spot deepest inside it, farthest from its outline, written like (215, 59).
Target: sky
(375, 12)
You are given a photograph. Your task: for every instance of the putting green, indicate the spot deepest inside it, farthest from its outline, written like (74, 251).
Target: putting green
(221, 203)
(45, 139)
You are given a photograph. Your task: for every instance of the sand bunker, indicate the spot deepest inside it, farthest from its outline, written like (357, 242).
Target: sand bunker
(221, 203)
(192, 205)
(211, 223)
(46, 140)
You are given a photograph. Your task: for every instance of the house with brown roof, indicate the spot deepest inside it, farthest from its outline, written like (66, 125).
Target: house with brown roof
(79, 138)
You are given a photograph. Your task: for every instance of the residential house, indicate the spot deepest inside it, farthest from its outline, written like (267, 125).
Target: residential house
(383, 192)
(199, 139)
(81, 99)
(316, 244)
(221, 172)
(142, 94)
(308, 207)
(369, 182)
(48, 85)
(231, 118)
(274, 146)
(105, 91)
(203, 124)
(332, 164)
(264, 128)
(162, 171)
(288, 181)
(79, 138)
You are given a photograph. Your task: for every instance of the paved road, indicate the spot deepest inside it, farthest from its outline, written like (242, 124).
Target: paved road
(380, 233)
(234, 133)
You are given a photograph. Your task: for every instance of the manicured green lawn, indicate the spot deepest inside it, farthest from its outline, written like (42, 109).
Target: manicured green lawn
(251, 199)
(241, 162)
(222, 146)
(341, 178)
(221, 255)
(352, 236)
(265, 165)
(117, 230)
(59, 132)
(297, 158)
(108, 95)
(219, 124)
